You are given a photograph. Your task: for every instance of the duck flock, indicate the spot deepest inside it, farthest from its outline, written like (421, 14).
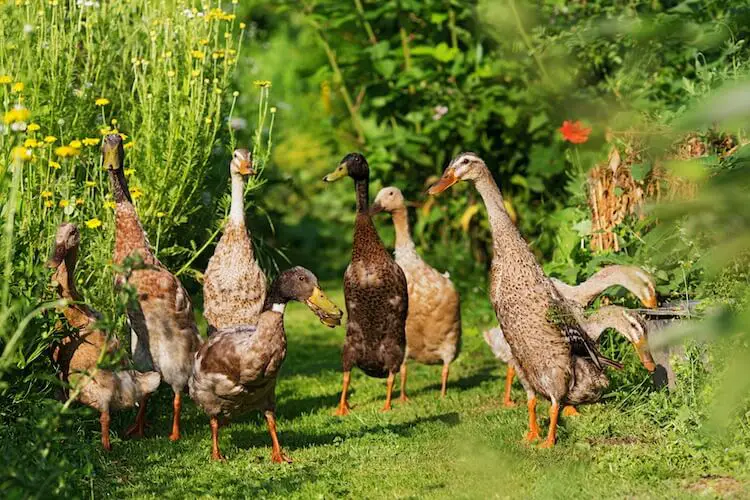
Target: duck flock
(397, 309)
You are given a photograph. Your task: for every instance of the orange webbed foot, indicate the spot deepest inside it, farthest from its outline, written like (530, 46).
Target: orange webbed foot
(531, 437)
(570, 411)
(404, 398)
(547, 444)
(280, 458)
(342, 411)
(218, 457)
(509, 403)
(386, 408)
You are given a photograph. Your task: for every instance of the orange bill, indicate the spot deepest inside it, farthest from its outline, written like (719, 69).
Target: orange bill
(447, 180)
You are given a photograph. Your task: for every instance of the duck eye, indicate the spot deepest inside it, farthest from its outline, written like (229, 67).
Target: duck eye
(302, 278)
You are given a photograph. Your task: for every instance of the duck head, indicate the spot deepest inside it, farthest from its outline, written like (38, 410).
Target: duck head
(464, 167)
(633, 327)
(354, 165)
(389, 199)
(113, 154)
(242, 163)
(301, 285)
(642, 285)
(67, 240)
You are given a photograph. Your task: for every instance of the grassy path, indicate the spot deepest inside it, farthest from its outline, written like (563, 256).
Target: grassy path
(465, 446)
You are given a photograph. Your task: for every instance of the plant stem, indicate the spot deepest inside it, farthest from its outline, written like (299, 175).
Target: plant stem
(368, 28)
(527, 40)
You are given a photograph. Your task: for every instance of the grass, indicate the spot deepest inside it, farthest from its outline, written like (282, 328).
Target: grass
(465, 446)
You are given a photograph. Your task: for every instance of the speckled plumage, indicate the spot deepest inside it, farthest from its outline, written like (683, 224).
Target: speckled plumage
(542, 331)
(433, 325)
(164, 335)
(236, 370)
(375, 292)
(77, 354)
(234, 286)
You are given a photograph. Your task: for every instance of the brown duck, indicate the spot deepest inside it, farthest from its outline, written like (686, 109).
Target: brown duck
(78, 354)
(375, 292)
(164, 336)
(234, 286)
(633, 278)
(433, 326)
(235, 371)
(544, 335)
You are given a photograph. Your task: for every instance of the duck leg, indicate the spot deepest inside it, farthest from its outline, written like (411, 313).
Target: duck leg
(389, 391)
(570, 411)
(444, 380)
(136, 430)
(554, 412)
(533, 433)
(104, 422)
(404, 398)
(277, 456)
(215, 452)
(343, 408)
(177, 407)
(507, 401)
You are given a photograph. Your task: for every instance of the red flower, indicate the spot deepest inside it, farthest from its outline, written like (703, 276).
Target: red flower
(575, 132)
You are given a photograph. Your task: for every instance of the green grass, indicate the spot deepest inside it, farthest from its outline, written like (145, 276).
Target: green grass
(465, 446)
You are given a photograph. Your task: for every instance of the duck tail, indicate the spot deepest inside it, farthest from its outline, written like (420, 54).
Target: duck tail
(134, 385)
(610, 362)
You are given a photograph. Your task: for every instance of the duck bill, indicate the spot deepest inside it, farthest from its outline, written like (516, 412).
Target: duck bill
(650, 300)
(447, 180)
(341, 171)
(641, 347)
(246, 168)
(376, 208)
(329, 314)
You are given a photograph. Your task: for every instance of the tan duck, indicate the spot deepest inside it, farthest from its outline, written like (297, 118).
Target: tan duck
(234, 286)
(433, 326)
(375, 292)
(235, 371)
(628, 323)
(632, 278)
(78, 354)
(544, 334)
(164, 336)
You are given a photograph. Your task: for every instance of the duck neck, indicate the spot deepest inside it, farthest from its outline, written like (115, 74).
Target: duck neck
(594, 286)
(237, 211)
(501, 225)
(65, 277)
(401, 225)
(362, 187)
(119, 185)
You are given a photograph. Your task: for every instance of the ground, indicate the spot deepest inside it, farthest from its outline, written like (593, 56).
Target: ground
(465, 446)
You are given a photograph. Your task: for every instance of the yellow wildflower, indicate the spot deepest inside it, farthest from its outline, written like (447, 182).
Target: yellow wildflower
(50, 139)
(262, 83)
(21, 154)
(128, 172)
(170, 73)
(33, 127)
(136, 193)
(5, 79)
(129, 145)
(30, 143)
(243, 26)
(90, 184)
(76, 144)
(66, 151)
(63, 203)
(273, 109)
(195, 72)
(93, 223)
(105, 131)
(46, 194)
(208, 120)
(102, 101)
(123, 137)
(79, 201)
(114, 121)
(49, 204)
(54, 164)
(17, 114)
(91, 141)
(18, 87)
(196, 54)
(160, 214)
(110, 204)
(227, 34)
(203, 41)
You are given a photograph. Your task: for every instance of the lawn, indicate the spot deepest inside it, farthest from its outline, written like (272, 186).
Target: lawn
(465, 446)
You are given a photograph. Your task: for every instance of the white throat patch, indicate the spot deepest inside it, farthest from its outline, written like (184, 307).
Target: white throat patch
(279, 308)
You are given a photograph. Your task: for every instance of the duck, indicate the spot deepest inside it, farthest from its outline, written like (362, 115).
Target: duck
(625, 321)
(235, 371)
(375, 293)
(633, 278)
(544, 334)
(164, 336)
(234, 286)
(78, 354)
(433, 324)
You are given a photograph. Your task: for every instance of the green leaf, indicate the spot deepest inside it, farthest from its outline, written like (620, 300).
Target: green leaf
(639, 171)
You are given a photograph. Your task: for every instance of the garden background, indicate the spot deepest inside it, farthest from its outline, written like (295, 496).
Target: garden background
(661, 182)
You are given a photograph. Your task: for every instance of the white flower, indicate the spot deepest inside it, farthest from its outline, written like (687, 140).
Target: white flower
(18, 126)
(188, 13)
(440, 111)
(28, 28)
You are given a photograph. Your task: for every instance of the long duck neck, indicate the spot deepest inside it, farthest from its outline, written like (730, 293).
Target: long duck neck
(595, 285)
(401, 225)
(79, 315)
(366, 239)
(237, 211)
(500, 223)
(129, 235)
